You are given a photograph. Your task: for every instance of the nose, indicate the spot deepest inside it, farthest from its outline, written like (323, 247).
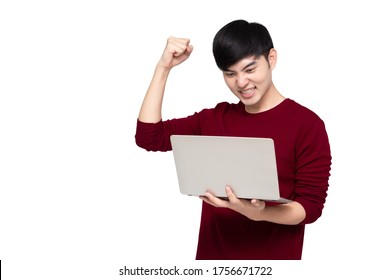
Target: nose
(241, 81)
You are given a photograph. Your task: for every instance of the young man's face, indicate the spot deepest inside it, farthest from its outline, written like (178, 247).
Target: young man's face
(250, 79)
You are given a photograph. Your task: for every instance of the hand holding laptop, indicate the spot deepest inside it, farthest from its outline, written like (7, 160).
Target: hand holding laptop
(249, 208)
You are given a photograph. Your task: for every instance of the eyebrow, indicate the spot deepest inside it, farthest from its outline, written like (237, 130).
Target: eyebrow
(245, 67)
(249, 65)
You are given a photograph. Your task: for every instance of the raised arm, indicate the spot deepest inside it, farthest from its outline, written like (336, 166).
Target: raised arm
(176, 51)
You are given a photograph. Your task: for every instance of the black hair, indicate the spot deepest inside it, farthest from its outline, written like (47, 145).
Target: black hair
(240, 39)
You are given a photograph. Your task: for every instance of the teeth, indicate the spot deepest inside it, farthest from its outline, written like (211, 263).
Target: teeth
(248, 90)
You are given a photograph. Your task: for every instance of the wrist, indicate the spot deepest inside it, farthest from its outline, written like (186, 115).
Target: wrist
(162, 67)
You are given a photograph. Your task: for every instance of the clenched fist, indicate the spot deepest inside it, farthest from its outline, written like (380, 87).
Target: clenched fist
(176, 51)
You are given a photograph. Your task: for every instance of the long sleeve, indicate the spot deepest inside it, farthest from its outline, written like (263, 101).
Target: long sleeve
(156, 136)
(303, 162)
(313, 161)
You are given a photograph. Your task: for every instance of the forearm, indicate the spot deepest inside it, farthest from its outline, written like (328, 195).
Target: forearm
(150, 111)
(287, 214)
(176, 51)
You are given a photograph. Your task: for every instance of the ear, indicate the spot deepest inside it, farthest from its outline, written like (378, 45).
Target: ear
(272, 58)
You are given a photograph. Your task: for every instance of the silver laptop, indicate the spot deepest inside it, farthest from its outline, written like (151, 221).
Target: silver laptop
(209, 163)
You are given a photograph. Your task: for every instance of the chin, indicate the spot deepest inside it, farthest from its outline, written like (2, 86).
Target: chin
(251, 101)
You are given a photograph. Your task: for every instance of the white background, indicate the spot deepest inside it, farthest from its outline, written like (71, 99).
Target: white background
(78, 198)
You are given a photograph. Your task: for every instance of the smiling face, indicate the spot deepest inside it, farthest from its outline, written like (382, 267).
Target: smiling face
(250, 79)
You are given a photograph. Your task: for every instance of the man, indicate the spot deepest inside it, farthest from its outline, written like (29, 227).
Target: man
(239, 228)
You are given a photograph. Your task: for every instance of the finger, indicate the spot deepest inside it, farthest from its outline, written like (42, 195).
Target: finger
(184, 41)
(205, 199)
(185, 52)
(230, 194)
(189, 50)
(178, 46)
(258, 203)
(255, 202)
(215, 201)
(208, 201)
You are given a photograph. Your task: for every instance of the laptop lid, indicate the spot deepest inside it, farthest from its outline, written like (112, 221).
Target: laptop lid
(209, 163)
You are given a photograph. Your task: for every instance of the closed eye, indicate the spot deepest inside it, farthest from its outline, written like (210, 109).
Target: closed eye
(229, 74)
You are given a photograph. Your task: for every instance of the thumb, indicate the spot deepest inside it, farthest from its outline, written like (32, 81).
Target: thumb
(187, 52)
(189, 49)
(183, 56)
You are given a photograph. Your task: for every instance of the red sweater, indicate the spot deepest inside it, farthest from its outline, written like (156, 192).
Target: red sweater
(303, 162)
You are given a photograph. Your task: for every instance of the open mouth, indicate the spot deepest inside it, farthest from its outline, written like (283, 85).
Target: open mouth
(248, 93)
